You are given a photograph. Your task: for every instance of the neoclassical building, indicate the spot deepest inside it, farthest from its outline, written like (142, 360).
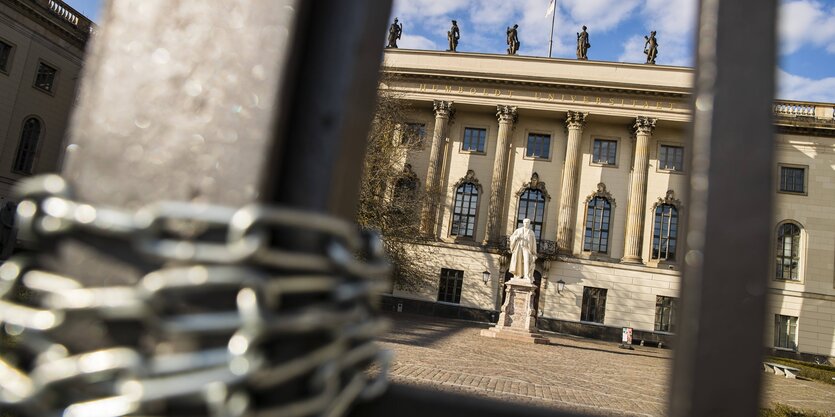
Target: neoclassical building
(594, 154)
(42, 46)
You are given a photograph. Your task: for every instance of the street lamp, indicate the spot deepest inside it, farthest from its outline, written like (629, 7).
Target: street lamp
(560, 286)
(485, 276)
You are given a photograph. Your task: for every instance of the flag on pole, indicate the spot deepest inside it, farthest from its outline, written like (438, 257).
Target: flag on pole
(551, 7)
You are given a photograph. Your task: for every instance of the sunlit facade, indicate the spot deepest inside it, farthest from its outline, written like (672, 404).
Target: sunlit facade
(594, 154)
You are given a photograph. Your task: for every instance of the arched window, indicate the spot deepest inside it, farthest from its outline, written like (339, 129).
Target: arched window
(788, 251)
(665, 232)
(598, 214)
(464, 211)
(531, 206)
(28, 144)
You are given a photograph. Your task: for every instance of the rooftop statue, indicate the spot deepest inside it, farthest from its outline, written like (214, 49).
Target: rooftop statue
(512, 40)
(583, 44)
(395, 31)
(651, 47)
(452, 36)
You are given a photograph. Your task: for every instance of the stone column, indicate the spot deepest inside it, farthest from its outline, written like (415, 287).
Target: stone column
(638, 190)
(444, 110)
(507, 119)
(571, 171)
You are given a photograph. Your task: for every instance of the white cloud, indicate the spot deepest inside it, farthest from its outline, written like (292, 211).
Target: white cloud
(794, 87)
(633, 50)
(599, 15)
(675, 21)
(806, 22)
(416, 42)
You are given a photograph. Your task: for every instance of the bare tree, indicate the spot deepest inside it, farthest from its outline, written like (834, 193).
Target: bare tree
(391, 197)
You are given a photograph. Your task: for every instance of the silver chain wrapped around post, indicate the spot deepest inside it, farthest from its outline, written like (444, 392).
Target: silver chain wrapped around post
(205, 317)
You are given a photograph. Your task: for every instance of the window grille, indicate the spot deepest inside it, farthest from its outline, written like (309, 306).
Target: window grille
(788, 251)
(539, 146)
(464, 211)
(605, 152)
(665, 313)
(665, 232)
(598, 215)
(29, 138)
(45, 78)
(785, 332)
(474, 140)
(671, 158)
(793, 180)
(449, 289)
(531, 206)
(594, 305)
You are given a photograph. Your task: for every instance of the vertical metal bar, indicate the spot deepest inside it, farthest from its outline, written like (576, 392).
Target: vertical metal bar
(717, 365)
(320, 147)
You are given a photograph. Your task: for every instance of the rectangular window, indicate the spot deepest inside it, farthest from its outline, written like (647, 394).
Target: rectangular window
(594, 305)
(785, 332)
(793, 180)
(413, 134)
(475, 140)
(605, 152)
(5, 54)
(45, 79)
(671, 158)
(539, 146)
(449, 289)
(665, 314)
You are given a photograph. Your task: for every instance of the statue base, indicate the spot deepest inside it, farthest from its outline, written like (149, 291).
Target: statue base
(517, 320)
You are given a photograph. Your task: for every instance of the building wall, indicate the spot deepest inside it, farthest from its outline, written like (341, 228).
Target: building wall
(35, 41)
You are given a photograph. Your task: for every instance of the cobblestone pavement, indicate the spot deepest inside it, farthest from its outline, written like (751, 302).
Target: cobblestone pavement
(573, 374)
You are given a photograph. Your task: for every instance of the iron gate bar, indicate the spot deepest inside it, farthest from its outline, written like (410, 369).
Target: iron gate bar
(717, 365)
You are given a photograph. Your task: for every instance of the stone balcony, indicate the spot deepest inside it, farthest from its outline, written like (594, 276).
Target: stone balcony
(545, 248)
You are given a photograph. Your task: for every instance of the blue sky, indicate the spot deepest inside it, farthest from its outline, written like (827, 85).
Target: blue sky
(616, 28)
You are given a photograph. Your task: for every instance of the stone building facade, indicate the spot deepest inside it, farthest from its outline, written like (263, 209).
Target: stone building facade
(594, 153)
(42, 46)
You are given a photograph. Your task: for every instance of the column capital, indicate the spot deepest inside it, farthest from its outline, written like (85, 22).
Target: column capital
(506, 114)
(443, 108)
(644, 125)
(575, 119)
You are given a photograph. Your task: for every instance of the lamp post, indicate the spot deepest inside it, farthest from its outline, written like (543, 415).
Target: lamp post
(485, 276)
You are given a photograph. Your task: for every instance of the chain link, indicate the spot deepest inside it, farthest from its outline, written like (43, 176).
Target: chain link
(324, 304)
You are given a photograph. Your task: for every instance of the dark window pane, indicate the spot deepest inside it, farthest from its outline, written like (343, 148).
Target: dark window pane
(531, 206)
(45, 77)
(464, 211)
(28, 145)
(598, 214)
(449, 287)
(671, 158)
(474, 139)
(539, 146)
(5, 52)
(792, 179)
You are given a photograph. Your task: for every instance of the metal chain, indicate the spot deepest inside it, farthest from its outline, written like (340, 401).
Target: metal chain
(40, 376)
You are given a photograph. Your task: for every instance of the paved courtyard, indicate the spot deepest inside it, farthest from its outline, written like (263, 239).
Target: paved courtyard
(571, 373)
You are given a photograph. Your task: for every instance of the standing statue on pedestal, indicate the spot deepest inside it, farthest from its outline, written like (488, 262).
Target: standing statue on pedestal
(583, 44)
(395, 31)
(512, 40)
(651, 47)
(452, 36)
(523, 252)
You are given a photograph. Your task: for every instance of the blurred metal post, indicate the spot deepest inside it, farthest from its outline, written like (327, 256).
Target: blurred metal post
(717, 366)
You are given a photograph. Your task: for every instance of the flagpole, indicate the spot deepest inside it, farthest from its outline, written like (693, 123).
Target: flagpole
(551, 38)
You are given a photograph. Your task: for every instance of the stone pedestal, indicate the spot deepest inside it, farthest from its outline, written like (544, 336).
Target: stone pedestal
(517, 320)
